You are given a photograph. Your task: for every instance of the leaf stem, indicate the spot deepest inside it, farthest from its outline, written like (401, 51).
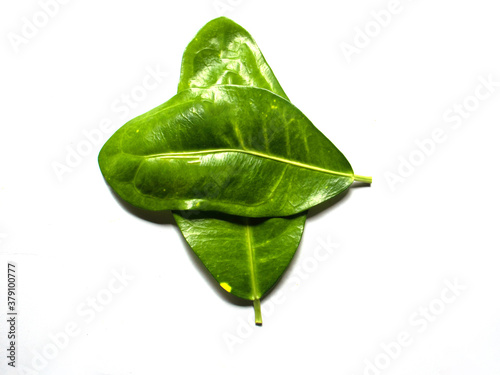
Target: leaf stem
(368, 180)
(258, 314)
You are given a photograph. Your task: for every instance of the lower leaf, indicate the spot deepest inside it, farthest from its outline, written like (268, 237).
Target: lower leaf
(246, 256)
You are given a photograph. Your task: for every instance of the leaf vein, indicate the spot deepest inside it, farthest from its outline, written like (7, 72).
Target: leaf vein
(249, 152)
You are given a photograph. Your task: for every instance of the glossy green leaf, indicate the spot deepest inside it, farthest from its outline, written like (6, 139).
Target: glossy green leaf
(223, 52)
(245, 255)
(238, 150)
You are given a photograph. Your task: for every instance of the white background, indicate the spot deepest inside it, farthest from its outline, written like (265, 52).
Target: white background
(397, 247)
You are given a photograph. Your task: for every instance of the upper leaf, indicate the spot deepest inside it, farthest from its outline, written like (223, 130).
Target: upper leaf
(223, 52)
(239, 150)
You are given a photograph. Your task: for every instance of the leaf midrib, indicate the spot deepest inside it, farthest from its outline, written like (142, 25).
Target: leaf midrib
(251, 258)
(181, 155)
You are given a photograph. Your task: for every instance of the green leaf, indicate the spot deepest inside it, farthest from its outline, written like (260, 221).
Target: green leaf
(223, 52)
(246, 256)
(238, 150)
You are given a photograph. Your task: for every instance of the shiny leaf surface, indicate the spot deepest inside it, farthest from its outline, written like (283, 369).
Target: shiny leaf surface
(223, 52)
(233, 149)
(245, 255)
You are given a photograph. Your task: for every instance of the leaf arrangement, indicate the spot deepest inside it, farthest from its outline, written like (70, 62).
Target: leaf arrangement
(237, 163)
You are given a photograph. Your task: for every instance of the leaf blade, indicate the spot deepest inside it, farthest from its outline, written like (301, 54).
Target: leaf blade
(220, 242)
(180, 128)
